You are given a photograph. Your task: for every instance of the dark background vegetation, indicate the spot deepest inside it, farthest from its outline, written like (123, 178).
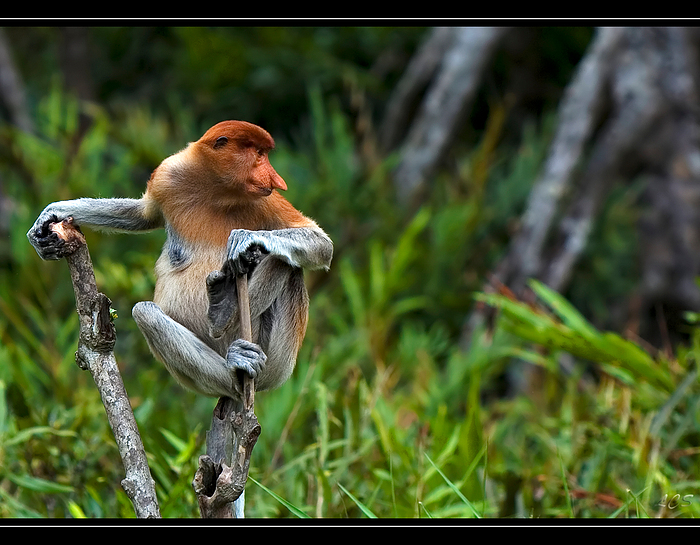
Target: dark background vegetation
(437, 378)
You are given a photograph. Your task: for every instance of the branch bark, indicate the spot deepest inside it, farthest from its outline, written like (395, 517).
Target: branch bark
(95, 353)
(223, 472)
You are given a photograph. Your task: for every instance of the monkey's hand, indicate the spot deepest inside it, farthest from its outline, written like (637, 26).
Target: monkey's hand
(244, 356)
(47, 243)
(244, 251)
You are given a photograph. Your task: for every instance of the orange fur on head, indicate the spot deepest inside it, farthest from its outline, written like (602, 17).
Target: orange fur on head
(223, 181)
(241, 148)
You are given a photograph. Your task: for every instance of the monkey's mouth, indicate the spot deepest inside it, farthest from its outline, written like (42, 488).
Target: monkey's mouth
(259, 191)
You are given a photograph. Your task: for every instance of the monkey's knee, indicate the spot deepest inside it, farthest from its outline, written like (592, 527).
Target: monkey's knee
(150, 320)
(160, 331)
(142, 309)
(193, 364)
(145, 314)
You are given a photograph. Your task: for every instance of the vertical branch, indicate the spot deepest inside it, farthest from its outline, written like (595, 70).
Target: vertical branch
(95, 353)
(222, 474)
(246, 335)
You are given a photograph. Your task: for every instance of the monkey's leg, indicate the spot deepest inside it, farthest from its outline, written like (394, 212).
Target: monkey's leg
(194, 364)
(282, 329)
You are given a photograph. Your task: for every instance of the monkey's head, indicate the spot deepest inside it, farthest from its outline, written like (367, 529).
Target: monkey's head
(237, 154)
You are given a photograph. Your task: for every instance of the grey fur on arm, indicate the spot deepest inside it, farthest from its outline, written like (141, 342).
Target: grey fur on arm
(125, 215)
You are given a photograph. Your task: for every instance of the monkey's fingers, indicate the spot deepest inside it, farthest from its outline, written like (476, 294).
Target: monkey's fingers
(48, 247)
(247, 260)
(47, 239)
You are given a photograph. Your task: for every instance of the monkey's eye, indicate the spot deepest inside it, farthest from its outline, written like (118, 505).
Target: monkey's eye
(221, 141)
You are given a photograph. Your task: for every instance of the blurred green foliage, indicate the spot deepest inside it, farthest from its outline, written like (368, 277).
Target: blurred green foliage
(208, 74)
(385, 415)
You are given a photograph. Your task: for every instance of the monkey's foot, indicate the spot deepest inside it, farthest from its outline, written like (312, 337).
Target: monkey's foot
(246, 356)
(221, 291)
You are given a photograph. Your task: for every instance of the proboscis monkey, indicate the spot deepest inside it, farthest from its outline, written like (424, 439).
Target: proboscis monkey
(218, 202)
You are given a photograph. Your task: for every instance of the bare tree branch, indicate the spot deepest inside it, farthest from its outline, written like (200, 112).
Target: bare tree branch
(95, 353)
(223, 472)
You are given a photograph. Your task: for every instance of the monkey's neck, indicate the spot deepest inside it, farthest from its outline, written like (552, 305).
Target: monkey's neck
(209, 224)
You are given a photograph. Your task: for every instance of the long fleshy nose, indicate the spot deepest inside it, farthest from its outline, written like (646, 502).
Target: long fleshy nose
(278, 182)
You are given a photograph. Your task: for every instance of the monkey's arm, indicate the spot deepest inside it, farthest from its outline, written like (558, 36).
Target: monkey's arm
(121, 215)
(302, 247)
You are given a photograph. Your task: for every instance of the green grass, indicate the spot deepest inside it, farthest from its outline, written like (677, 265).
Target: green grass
(385, 415)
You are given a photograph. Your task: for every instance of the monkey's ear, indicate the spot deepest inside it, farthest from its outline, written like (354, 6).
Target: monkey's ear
(220, 142)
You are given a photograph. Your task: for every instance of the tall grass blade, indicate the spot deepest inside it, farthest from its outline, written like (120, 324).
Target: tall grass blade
(362, 506)
(454, 488)
(569, 505)
(295, 510)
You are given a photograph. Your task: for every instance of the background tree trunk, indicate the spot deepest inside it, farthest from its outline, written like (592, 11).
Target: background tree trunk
(466, 52)
(629, 113)
(12, 93)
